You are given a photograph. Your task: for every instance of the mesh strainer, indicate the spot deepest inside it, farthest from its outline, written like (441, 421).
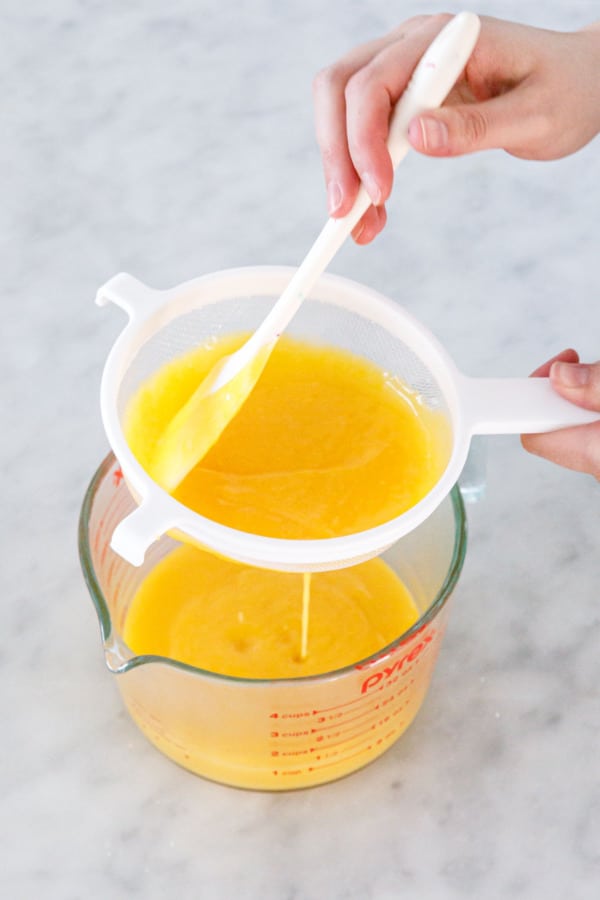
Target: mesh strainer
(165, 324)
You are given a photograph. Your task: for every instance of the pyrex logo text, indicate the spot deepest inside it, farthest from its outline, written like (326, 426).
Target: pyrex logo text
(387, 671)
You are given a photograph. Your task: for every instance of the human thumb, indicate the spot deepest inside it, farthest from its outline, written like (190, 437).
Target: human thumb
(456, 130)
(578, 382)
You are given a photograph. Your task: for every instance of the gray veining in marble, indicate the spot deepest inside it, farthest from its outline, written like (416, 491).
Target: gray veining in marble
(172, 139)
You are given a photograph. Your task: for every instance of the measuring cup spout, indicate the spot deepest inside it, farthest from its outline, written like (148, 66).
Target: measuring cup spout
(116, 654)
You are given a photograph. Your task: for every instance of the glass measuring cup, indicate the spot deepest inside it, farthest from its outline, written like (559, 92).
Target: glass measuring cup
(272, 734)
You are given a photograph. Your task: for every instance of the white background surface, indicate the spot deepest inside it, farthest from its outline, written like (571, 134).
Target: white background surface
(174, 139)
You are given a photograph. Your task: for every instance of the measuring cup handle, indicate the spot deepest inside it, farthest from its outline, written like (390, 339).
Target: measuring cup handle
(518, 406)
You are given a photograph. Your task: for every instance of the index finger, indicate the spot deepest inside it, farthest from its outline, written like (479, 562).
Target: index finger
(329, 87)
(371, 95)
(331, 116)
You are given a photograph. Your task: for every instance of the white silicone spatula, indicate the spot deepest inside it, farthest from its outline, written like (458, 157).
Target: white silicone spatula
(200, 422)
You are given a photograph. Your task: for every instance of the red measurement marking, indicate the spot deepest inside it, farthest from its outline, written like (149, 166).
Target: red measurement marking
(117, 477)
(103, 553)
(290, 734)
(344, 742)
(389, 736)
(318, 712)
(296, 715)
(337, 713)
(341, 761)
(334, 734)
(367, 712)
(340, 716)
(109, 577)
(291, 752)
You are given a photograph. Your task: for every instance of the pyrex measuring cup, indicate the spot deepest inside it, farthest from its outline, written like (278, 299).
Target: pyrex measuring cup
(272, 734)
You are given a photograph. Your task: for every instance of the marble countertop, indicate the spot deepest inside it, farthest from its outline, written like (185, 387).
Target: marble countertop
(169, 140)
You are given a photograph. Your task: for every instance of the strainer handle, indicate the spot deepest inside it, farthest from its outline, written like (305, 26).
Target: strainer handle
(139, 301)
(141, 528)
(518, 406)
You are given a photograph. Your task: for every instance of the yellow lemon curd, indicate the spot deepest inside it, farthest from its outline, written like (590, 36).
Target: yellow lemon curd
(325, 445)
(236, 620)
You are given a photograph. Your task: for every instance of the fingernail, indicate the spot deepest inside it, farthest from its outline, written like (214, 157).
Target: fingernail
(358, 231)
(334, 197)
(433, 134)
(415, 134)
(372, 188)
(571, 375)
